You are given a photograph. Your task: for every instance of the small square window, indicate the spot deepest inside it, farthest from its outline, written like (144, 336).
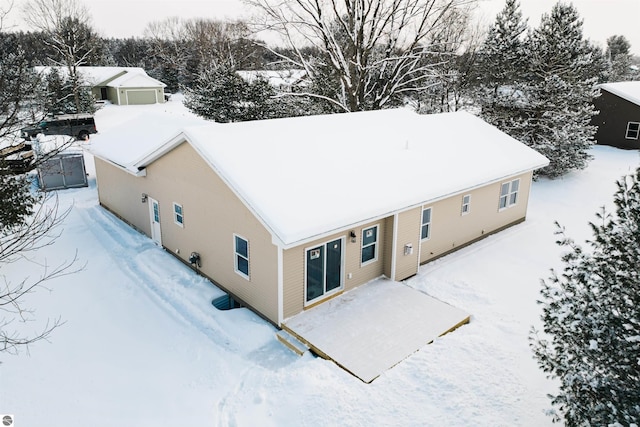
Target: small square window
(178, 216)
(425, 230)
(633, 130)
(466, 204)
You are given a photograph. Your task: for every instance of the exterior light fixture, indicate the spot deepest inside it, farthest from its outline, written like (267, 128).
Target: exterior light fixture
(144, 198)
(352, 234)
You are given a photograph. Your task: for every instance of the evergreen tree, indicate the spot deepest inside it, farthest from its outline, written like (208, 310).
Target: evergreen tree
(591, 317)
(619, 56)
(502, 71)
(222, 95)
(59, 94)
(502, 58)
(560, 92)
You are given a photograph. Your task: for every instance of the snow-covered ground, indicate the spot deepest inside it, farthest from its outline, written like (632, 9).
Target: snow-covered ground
(142, 345)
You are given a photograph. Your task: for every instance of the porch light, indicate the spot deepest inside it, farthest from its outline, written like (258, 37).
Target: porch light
(144, 198)
(352, 234)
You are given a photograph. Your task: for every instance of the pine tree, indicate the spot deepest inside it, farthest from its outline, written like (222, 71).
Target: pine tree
(560, 92)
(502, 70)
(502, 58)
(591, 318)
(220, 94)
(619, 57)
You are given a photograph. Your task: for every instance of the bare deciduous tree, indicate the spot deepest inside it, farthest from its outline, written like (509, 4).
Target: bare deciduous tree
(66, 24)
(5, 8)
(17, 242)
(28, 221)
(374, 48)
(187, 48)
(219, 43)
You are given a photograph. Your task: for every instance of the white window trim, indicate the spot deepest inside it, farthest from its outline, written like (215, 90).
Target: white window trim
(376, 244)
(468, 205)
(422, 224)
(236, 255)
(509, 204)
(637, 132)
(175, 215)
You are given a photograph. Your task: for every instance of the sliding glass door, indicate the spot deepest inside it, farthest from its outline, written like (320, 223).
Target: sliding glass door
(323, 269)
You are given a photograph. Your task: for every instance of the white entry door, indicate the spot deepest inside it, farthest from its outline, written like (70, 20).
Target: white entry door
(154, 213)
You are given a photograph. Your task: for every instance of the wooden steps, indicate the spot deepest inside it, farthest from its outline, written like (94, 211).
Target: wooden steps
(292, 343)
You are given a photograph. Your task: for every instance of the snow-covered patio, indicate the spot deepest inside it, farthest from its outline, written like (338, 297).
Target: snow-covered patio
(375, 326)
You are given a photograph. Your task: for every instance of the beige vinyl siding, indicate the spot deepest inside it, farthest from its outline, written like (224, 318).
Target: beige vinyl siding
(112, 95)
(408, 230)
(450, 229)
(126, 204)
(212, 214)
(294, 266)
(388, 246)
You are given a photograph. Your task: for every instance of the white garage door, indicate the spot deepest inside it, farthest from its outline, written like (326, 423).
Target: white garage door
(141, 96)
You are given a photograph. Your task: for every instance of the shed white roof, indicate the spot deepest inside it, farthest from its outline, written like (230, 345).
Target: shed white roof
(626, 90)
(308, 176)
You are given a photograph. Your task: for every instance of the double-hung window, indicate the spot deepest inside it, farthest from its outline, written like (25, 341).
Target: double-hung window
(633, 130)
(425, 230)
(241, 248)
(369, 244)
(466, 204)
(509, 193)
(178, 215)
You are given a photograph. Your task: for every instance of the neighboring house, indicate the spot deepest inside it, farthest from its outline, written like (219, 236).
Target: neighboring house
(288, 213)
(119, 85)
(281, 80)
(618, 120)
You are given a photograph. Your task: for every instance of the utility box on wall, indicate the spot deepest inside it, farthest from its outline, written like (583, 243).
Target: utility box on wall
(64, 170)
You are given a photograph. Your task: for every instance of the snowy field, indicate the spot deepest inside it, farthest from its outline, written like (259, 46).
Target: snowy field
(142, 346)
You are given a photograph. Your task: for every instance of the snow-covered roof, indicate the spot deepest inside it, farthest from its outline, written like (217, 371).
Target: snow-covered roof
(309, 176)
(95, 75)
(626, 90)
(135, 80)
(132, 140)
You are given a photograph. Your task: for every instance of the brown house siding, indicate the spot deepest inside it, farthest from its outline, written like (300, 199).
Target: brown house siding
(615, 114)
(212, 214)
